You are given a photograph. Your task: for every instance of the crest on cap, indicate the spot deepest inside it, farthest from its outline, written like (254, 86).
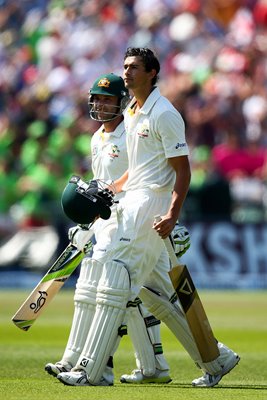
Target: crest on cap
(104, 82)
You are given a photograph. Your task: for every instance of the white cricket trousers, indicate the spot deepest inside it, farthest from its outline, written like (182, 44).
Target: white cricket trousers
(137, 244)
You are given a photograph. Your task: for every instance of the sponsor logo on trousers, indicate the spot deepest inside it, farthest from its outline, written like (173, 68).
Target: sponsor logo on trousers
(122, 239)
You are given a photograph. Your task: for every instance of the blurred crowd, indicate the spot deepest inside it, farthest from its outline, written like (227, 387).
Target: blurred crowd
(213, 56)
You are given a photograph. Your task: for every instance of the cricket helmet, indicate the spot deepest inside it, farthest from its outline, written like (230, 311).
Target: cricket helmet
(83, 202)
(108, 85)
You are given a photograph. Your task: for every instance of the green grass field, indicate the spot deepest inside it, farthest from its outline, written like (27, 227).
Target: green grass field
(238, 319)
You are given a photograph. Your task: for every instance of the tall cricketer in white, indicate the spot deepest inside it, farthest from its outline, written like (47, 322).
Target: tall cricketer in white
(156, 183)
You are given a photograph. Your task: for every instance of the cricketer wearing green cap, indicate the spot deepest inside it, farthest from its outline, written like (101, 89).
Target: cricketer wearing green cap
(107, 85)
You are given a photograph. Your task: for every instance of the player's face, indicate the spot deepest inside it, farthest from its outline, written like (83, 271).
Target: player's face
(105, 106)
(134, 74)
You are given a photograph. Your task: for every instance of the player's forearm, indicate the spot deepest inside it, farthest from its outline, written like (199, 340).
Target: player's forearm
(118, 183)
(178, 197)
(183, 176)
(181, 186)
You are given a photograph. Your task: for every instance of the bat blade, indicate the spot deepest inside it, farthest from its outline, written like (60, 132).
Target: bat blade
(194, 313)
(193, 308)
(48, 287)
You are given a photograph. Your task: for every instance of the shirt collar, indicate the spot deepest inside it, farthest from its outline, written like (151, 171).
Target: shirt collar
(118, 131)
(149, 103)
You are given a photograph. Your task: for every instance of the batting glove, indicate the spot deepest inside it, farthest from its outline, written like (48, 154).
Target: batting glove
(80, 236)
(181, 239)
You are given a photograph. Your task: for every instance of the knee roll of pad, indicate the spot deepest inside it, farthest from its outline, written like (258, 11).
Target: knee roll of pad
(86, 288)
(114, 285)
(157, 305)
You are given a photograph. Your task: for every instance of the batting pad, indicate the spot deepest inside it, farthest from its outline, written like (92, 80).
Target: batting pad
(84, 308)
(153, 328)
(174, 318)
(111, 298)
(144, 350)
(86, 288)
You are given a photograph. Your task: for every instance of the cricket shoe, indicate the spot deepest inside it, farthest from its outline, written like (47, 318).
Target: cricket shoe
(138, 377)
(228, 360)
(57, 368)
(79, 378)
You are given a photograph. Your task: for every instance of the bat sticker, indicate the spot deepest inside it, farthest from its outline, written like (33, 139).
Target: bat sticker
(40, 301)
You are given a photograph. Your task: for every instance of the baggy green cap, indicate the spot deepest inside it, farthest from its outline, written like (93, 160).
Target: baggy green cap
(109, 85)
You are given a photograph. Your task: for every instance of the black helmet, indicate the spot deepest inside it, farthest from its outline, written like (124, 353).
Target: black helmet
(108, 85)
(83, 202)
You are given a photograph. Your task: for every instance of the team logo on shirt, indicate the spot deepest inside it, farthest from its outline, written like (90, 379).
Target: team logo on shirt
(114, 151)
(144, 131)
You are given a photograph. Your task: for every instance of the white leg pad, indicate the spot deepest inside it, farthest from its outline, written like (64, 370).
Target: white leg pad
(137, 330)
(112, 296)
(153, 327)
(84, 309)
(172, 315)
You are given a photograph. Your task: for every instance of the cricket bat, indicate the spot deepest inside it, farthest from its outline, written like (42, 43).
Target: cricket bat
(192, 306)
(48, 287)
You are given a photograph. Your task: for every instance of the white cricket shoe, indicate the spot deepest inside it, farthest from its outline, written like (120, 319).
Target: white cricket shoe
(138, 377)
(79, 378)
(57, 368)
(228, 360)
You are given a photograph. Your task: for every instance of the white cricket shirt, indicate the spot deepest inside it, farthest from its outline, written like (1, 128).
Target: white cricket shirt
(109, 154)
(154, 134)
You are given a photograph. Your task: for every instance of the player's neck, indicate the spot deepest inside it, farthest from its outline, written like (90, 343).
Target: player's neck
(110, 126)
(141, 95)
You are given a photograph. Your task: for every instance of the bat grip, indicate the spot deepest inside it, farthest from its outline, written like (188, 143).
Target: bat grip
(168, 245)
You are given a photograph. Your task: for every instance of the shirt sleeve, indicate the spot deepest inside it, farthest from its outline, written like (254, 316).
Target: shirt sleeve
(171, 129)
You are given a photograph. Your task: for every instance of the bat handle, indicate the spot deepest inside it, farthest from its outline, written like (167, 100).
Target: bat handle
(168, 245)
(170, 251)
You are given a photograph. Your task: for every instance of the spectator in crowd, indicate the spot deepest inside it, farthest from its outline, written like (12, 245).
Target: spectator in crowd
(214, 69)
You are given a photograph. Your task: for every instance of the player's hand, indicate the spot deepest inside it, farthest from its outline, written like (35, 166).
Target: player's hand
(181, 239)
(164, 225)
(81, 238)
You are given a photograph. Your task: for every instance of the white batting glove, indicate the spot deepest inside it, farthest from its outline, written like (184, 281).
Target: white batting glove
(81, 238)
(181, 239)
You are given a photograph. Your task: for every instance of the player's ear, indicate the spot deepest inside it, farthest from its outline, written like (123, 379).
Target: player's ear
(153, 75)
